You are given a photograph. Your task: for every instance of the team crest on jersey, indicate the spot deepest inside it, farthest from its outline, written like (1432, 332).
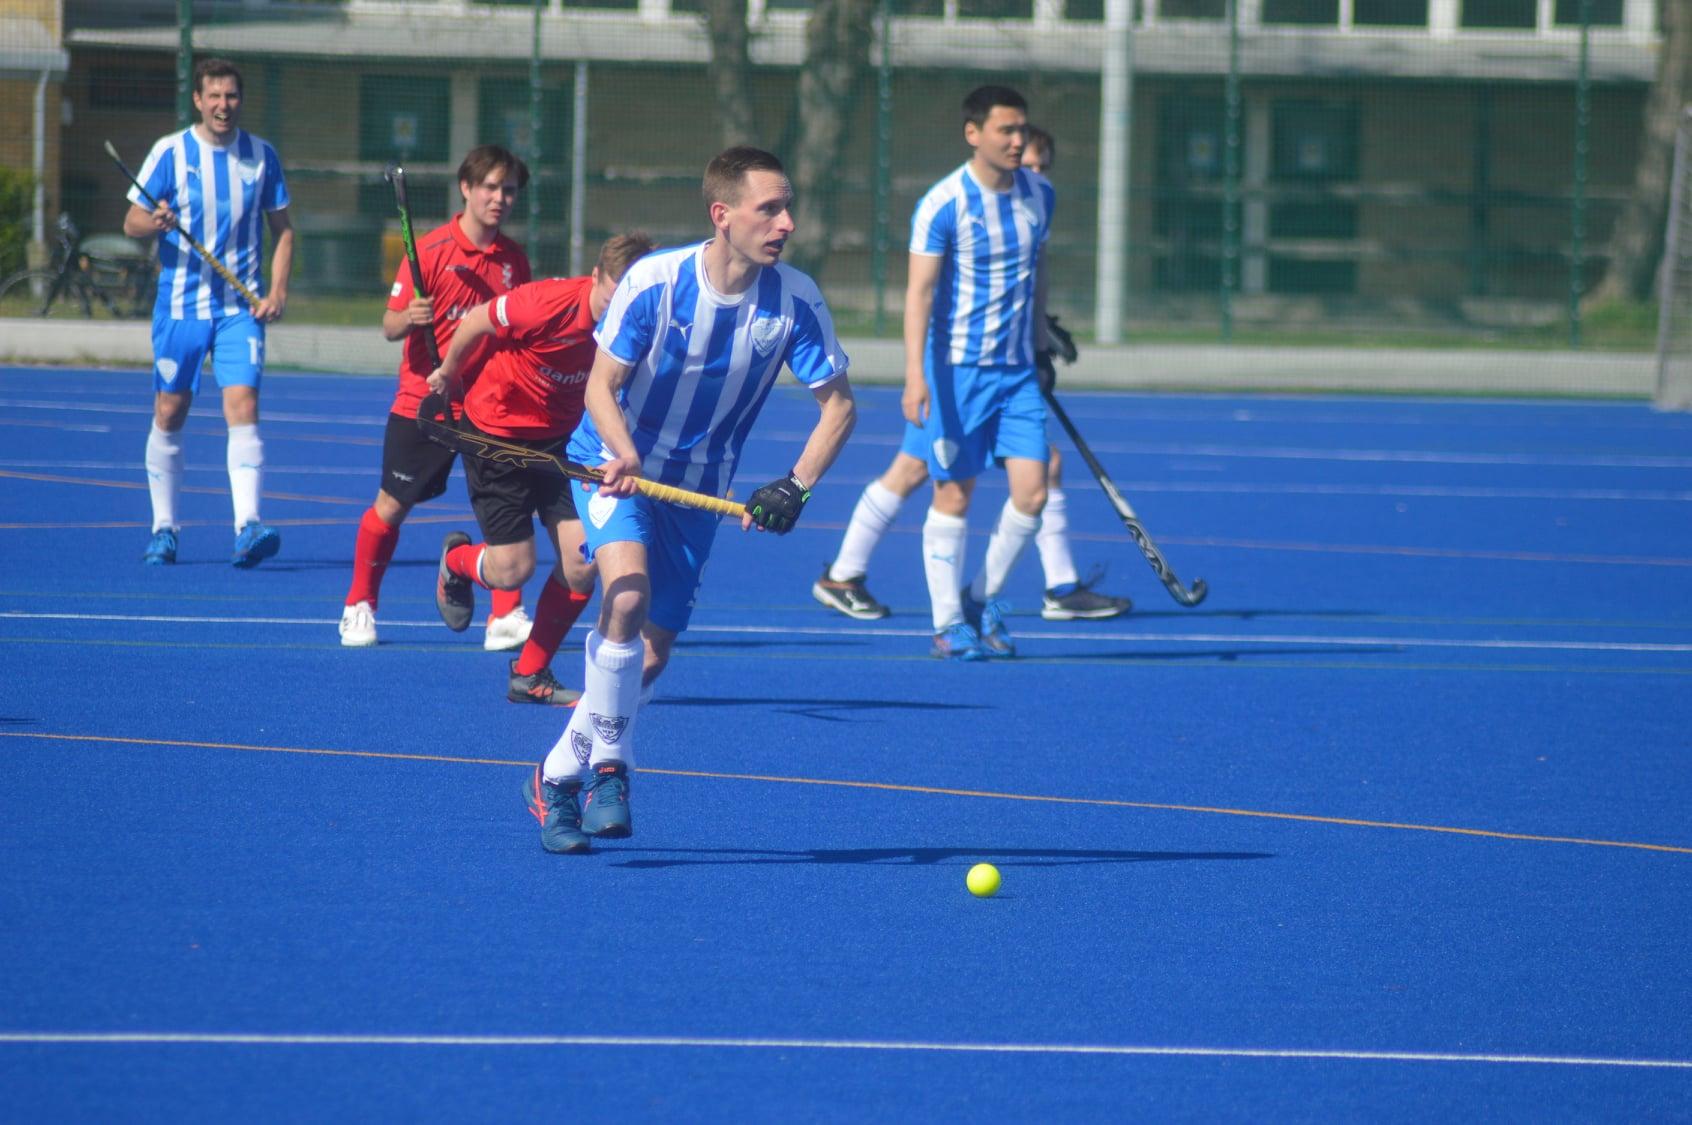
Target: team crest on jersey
(600, 508)
(581, 746)
(766, 333)
(505, 274)
(609, 727)
(248, 171)
(945, 452)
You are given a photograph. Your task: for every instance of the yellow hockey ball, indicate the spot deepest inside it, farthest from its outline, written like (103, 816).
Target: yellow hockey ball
(983, 880)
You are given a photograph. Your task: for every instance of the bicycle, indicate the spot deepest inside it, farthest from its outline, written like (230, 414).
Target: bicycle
(110, 271)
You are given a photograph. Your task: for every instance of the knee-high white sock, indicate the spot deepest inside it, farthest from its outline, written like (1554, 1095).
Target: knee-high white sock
(943, 541)
(871, 517)
(164, 476)
(1053, 541)
(246, 472)
(1010, 538)
(601, 727)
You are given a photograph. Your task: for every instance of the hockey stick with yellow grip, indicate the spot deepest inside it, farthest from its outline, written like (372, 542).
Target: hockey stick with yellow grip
(523, 456)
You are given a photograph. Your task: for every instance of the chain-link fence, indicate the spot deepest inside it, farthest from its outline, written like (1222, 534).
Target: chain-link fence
(1287, 167)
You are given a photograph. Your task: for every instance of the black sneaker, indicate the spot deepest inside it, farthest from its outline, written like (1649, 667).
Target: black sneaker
(1080, 603)
(542, 687)
(605, 802)
(849, 597)
(455, 597)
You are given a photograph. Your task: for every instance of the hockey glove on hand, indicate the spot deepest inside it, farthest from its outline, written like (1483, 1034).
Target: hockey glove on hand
(1062, 343)
(776, 506)
(1045, 371)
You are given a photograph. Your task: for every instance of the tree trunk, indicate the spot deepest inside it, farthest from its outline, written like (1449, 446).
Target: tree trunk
(1636, 240)
(725, 26)
(838, 36)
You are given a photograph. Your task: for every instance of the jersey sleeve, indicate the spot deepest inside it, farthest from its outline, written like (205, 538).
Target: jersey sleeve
(814, 354)
(521, 314)
(630, 322)
(158, 176)
(275, 184)
(933, 226)
(399, 295)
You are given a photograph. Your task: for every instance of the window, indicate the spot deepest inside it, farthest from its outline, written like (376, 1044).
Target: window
(503, 119)
(1390, 13)
(1602, 13)
(1314, 141)
(1501, 13)
(132, 87)
(1301, 11)
(996, 9)
(1187, 217)
(403, 118)
(1193, 10)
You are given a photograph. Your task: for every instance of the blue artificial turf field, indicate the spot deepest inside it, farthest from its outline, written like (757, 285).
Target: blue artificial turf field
(1392, 827)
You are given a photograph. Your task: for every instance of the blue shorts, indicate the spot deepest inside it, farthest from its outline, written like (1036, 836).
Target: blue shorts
(677, 540)
(975, 416)
(235, 344)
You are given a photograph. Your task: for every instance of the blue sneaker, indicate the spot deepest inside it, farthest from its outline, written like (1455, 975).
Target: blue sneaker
(560, 818)
(989, 621)
(161, 548)
(958, 642)
(605, 802)
(254, 544)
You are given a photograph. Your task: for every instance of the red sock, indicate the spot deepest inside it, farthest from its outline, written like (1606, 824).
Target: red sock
(555, 612)
(371, 555)
(462, 560)
(502, 602)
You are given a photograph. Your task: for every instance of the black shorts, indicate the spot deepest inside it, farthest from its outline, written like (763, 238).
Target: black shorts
(507, 498)
(414, 469)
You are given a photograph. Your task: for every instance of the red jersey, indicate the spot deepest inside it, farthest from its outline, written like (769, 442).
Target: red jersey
(459, 276)
(531, 387)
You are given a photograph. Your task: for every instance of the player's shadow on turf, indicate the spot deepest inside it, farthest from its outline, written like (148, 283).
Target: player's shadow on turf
(1226, 655)
(921, 857)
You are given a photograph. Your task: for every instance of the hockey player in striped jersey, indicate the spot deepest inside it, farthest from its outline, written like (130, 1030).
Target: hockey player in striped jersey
(689, 348)
(224, 185)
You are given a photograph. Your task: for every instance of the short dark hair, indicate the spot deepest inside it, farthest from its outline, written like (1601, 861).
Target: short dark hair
(622, 251)
(726, 173)
(216, 68)
(484, 159)
(979, 103)
(1042, 140)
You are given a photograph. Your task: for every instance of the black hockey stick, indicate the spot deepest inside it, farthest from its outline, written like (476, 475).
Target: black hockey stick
(524, 457)
(1136, 531)
(395, 175)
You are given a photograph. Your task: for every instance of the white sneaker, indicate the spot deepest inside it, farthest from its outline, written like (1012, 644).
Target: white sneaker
(508, 632)
(358, 626)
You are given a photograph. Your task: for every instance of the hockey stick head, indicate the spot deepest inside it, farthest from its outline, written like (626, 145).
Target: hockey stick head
(395, 175)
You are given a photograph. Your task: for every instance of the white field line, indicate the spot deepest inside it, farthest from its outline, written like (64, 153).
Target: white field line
(217, 1039)
(1315, 639)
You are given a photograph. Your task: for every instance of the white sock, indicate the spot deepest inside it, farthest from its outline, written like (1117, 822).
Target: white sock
(943, 541)
(246, 472)
(1053, 541)
(871, 517)
(611, 697)
(570, 755)
(1010, 538)
(164, 476)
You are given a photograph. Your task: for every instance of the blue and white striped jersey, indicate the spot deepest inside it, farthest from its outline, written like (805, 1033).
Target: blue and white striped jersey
(991, 243)
(220, 195)
(704, 363)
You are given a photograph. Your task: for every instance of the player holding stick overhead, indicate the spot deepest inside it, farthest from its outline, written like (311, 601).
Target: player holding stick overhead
(688, 351)
(530, 390)
(843, 585)
(465, 263)
(225, 185)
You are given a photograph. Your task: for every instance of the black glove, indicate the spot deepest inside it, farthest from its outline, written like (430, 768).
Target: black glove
(1045, 371)
(1062, 343)
(776, 506)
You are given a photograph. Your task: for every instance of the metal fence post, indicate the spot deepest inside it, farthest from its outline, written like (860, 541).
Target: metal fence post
(1231, 175)
(184, 63)
(880, 236)
(1577, 204)
(535, 132)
